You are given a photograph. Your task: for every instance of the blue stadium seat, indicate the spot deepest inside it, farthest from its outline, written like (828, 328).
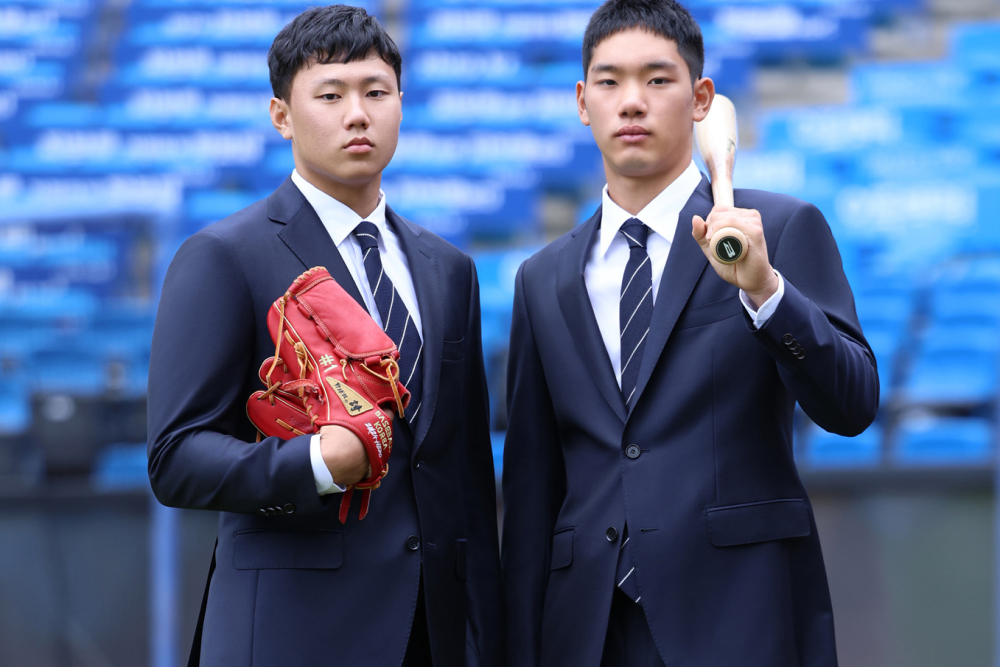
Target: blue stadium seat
(49, 305)
(227, 26)
(944, 441)
(908, 163)
(829, 450)
(121, 466)
(68, 371)
(539, 31)
(845, 128)
(780, 31)
(15, 407)
(966, 305)
(957, 365)
(974, 45)
(911, 84)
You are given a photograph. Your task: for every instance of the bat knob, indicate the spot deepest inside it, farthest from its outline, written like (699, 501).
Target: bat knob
(728, 245)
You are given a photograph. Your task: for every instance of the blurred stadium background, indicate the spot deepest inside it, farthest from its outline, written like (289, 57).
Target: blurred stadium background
(128, 125)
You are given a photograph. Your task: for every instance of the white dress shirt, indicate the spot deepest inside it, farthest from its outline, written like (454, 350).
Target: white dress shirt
(340, 222)
(606, 265)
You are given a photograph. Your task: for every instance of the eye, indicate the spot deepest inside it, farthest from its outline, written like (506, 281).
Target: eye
(607, 82)
(330, 96)
(659, 81)
(377, 93)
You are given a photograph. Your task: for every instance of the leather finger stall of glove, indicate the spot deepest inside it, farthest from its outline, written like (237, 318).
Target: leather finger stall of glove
(332, 364)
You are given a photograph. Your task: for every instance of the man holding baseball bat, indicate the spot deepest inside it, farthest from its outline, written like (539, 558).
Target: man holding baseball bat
(653, 512)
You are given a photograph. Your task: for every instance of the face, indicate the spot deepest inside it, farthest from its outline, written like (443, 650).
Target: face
(343, 121)
(639, 102)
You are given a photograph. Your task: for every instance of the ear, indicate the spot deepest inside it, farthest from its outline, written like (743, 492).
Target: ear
(280, 117)
(704, 93)
(581, 103)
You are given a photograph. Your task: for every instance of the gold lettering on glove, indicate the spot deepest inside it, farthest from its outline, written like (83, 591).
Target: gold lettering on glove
(352, 400)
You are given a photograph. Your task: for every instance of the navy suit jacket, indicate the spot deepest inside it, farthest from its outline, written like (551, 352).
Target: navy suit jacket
(726, 554)
(292, 586)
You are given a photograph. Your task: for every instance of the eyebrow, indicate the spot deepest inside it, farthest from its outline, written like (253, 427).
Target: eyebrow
(615, 69)
(374, 78)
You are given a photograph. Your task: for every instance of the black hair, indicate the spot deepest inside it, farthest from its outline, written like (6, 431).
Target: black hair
(665, 18)
(332, 34)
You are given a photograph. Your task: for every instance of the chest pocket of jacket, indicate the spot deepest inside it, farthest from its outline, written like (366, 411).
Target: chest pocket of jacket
(710, 312)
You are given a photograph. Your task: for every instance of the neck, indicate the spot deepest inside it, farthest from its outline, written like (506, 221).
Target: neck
(633, 193)
(362, 198)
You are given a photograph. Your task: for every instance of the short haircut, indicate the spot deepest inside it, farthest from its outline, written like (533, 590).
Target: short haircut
(332, 34)
(665, 18)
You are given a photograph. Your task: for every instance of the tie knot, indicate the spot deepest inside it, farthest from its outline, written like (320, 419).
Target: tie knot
(367, 234)
(635, 232)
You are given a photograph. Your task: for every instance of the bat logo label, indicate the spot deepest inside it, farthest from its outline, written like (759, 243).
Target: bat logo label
(729, 249)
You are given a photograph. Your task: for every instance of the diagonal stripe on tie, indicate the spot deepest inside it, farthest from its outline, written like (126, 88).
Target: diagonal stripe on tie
(635, 312)
(396, 318)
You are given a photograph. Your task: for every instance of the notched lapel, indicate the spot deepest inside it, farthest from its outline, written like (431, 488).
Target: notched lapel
(685, 264)
(307, 238)
(576, 308)
(427, 284)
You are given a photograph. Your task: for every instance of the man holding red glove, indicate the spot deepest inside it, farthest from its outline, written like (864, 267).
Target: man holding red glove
(250, 326)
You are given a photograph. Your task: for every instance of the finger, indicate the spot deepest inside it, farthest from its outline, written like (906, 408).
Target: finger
(699, 230)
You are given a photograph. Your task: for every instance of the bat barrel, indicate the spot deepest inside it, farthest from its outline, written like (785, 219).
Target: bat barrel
(717, 142)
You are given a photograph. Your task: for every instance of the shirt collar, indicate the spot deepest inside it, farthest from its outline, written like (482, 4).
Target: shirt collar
(337, 217)
(660, 215)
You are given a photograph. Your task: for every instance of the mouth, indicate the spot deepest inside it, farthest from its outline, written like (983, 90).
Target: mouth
(631, 134)
(359, 145)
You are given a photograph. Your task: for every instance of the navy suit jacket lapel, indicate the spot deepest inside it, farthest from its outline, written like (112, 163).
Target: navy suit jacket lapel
(307, 238)
(574, 301)
(430, 299)
(685, 264)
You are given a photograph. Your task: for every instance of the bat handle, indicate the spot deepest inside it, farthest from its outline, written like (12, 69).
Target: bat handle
(728, 245)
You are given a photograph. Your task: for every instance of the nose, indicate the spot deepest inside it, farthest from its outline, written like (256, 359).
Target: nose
(633, 104)
(356, 116)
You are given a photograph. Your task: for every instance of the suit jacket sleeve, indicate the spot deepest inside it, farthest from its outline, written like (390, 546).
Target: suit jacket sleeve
(482, 558)
(835, 381)
(534, 485)
(201, 360)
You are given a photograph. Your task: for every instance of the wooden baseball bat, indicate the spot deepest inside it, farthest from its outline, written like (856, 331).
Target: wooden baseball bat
(717, 143)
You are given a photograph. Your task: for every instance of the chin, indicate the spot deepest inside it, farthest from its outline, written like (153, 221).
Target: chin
(638, 168)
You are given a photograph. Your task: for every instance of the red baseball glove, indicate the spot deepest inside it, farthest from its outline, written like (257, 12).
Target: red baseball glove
(332, 364)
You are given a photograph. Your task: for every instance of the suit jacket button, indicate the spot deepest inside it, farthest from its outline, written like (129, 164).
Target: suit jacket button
(412, 542)
(289, 508)
(632, 451)
(800, 355)
(612, 534)
(263, 512)
(787, 339)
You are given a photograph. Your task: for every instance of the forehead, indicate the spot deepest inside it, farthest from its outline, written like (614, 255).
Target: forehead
(634, 48)
(356, 72)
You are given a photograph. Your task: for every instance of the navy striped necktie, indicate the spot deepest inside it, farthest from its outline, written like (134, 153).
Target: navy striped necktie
(396, 318)
(635, 305)
(635, 312)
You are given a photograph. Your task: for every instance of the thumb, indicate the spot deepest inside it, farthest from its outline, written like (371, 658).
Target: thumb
(699, 229)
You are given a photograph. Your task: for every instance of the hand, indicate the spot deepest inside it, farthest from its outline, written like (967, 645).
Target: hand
(753, 274)
(343, 454)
